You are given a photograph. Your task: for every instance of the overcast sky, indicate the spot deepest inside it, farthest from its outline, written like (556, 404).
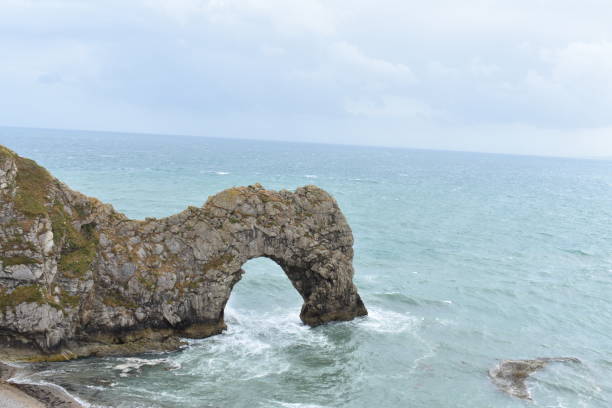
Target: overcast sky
(520, 76)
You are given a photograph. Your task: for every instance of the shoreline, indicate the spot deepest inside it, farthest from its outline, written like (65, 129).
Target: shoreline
(24, 395)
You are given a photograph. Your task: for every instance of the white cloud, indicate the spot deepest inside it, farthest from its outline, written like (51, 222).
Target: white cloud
(580, 61)
(437, 73)
(352, 55)
(287, 16)
(291, 16)
(575, 82)
(390, 107)
(441, 70)
(272, 51)
(482, 69)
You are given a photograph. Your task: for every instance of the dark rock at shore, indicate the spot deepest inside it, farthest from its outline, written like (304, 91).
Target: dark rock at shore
(78, 278)
(510, 375)
(49, 395)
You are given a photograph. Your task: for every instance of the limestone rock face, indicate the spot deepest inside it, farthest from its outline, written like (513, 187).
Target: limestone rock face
(77, 277)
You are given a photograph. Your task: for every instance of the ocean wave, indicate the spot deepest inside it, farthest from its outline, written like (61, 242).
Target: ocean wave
(252, 337)
(578, 252)
(133, 365)
(311, 176)
(360, 180)
(284, 326)
(217, 172)
(295, 405)
(399, 297)
(387, 321)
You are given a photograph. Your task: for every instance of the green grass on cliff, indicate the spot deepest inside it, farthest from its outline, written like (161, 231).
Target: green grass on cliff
(6, 152)
(17, 260)
(18, 243)
(116, 299)
(32, 186)
(76, 264)
(68, 300)
(79, 247)
(36, 294)
(218, 262)
(33, 182)
(21, 294)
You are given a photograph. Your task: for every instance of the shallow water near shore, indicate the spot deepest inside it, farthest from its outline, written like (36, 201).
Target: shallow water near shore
(461, 258)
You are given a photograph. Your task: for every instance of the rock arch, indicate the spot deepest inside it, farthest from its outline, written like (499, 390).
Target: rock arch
(78, 277)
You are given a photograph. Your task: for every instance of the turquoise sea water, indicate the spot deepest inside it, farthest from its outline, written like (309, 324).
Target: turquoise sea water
(461, 258)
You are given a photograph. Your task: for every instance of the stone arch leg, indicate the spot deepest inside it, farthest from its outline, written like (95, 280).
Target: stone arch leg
(326, 298)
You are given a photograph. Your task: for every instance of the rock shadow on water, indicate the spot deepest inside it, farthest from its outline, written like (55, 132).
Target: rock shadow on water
(510, 375)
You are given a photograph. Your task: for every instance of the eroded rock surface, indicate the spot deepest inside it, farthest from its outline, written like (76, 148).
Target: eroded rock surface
(510, 375)
(78, 278)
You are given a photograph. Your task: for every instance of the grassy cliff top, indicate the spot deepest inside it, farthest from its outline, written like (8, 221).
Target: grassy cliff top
(6, 152)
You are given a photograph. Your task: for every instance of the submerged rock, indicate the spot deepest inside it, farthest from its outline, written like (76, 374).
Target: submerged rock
(510, 375)
(78, 278)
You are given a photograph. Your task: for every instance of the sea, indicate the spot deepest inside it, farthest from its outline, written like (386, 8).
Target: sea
(462, 259)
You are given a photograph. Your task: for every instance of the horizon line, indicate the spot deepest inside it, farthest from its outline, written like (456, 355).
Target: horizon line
(595, 158)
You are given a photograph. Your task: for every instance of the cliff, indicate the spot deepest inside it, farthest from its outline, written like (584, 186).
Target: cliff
(78, 278)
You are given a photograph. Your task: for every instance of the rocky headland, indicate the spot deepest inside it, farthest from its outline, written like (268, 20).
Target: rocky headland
(78, 278)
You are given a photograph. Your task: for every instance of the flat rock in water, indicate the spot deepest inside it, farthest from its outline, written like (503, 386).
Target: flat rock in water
(510, 375)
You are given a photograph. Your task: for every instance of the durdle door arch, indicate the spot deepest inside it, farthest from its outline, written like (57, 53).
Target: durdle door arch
(78, 278)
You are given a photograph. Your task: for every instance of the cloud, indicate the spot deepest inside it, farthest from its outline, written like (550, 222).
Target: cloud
(482, 69)
(390, 107)
(434, 74)
(352, 55)
(582, 65)
(575, 83)
(290, 17)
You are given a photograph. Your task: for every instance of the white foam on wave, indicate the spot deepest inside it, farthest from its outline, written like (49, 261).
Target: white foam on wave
(387, 321)
(310, 176)
(250, 347)
(363, 180)
(132, 365)
(445, 322)
(296, 405)
(96, 387)
(390, 322)
(280, 327)
(217, 172)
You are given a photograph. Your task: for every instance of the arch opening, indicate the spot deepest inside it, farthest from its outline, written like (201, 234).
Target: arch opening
(262, 289)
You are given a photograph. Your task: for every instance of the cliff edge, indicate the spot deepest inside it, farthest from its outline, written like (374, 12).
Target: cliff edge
(78, 278)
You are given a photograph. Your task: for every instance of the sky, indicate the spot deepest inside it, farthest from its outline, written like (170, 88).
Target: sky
(521, 76)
